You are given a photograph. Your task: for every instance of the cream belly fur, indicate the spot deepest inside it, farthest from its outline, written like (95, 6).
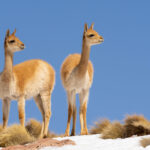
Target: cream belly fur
(77, 84)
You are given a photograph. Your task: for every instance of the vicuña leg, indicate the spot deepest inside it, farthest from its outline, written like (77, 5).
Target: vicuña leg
(74, 119)
(71, 103)
(21, 110)
(46, 100)
(84, 118)
(39, 104)
(6, 107)
(83, 96)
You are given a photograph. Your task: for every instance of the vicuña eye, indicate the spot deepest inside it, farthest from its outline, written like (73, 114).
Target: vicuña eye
(91, 35)
(12, 41)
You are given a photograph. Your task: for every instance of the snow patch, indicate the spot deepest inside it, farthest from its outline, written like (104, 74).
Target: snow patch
(93, 142)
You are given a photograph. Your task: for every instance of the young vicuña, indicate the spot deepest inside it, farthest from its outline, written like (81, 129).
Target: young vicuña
(33, 78)
(77, 76)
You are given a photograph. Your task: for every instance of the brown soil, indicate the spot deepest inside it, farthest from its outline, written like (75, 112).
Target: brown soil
(41, 143)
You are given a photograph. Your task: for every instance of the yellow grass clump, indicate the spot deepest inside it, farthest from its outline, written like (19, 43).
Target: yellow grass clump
(16, 134)
(13, 135)
(113, 131)
(133, 125)
(34, 128)
(136, 125)
(100, 126)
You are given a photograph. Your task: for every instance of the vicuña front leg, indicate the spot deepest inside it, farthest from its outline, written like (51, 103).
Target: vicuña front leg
(71, 103)
(70, 110)
(6, 107)
(21, 110)
(85, 131)
(74, 120)
(83, 96)
(46, 100)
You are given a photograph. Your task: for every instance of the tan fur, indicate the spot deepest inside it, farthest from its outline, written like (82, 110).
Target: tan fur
(83, 109)
(33, 78)
(70, 63)
(77, 76)
(25, 74)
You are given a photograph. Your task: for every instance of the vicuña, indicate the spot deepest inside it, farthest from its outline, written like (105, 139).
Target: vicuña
(33, 78)
(77, 76)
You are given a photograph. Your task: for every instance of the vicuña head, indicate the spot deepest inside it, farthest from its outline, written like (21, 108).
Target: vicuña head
(91, 36)
(77, 77)
(12, 43)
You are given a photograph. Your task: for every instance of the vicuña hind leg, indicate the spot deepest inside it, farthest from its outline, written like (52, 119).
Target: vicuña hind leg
(46, 100)
(6, 107)
(83, 96)
(21, 110)
(71, 102)
(39, 104)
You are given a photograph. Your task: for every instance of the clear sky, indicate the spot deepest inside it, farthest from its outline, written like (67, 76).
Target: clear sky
(51, 30)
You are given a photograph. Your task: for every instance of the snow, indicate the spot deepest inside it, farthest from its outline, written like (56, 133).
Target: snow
(93, 142)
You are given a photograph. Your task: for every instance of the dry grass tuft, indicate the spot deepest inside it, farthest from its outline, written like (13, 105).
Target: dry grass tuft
(99, 126)
(1, 128)
(13, 135)
(16, 134)
(136, 125)
(134, 118)
(145, 142)
(34, 128)
(113, 131)
(133, 125)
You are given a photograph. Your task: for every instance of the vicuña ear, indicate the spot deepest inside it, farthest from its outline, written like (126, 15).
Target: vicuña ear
(14, 32)
(7, 33)
(92, 25)
(85, 28)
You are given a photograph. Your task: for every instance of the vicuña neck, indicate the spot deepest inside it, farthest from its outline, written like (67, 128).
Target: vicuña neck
(8, 67)
(83, 64)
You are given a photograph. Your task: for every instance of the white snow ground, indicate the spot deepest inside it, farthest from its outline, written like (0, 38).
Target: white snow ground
(93, 142)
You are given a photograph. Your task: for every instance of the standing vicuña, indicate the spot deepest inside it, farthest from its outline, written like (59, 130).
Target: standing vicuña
(77, 76)
(33, 78)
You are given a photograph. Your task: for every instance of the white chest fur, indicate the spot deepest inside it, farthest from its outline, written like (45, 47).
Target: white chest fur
(75, 82)
(7, 90)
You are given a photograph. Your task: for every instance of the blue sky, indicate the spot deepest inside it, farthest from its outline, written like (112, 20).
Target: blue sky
(51, 30)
